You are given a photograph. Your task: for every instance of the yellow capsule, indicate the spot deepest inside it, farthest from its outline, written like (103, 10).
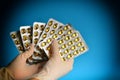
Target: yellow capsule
(42, 27)
(35, 41)
(25, 37)
(47, 29)
(55, 25)
(27, 44)
(20, 48)
(67, 38)
(36, 26)
(65, 28)
(52, 31)
(54, 36)
(69, 56)
(80, 44)
(43, 44)
(60, 32)
(69, 32)
(77, 39)
(76, 52)
(66, 51)
(63, 59)
(38, 48)
(49, 40)
(29, 30)
(23, 31)
(48, 48)
(17, 42)
(60, 41)
(50, 23)
(44, 35)
(13, 36)
(73, 48)
(36, 54)
(63, 46)
(82, 49)
(74, 34)
(63, 35)
(70, 43)
(36, 33)
(61, 54)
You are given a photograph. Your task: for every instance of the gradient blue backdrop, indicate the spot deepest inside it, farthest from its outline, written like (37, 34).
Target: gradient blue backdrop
(93, 20)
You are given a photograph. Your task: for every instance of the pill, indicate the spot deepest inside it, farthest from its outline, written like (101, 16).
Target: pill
(54, 36)
(35, 40)
(77, 39)
(61, 53)
(25, 37)
(29, 30)
(42, 27)
(74, 34)
(69, 56)
(50, 23)
(60, 41)
(47, 29)
(76, 52)
(69, 32)
(17, 42)
(36, 33)
(20, 48)
(43, 44)
(63, 59)
(63, 46)
(66, 51)
(36, 26)
(23, 31)
(27, 44)
(65, 28)
(48, 48)
(44, 36)
(49, 40)
(80, 44)
(55, 25)
(82, 49)
(60, 32)
(13, 36)
(38, 48)
(70, 43)
(67, 38)
(73, 47)
(52, 32)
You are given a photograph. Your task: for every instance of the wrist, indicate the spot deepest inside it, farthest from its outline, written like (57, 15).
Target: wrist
(43, 75)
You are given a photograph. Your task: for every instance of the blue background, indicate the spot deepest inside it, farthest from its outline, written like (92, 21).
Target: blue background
(94, 20)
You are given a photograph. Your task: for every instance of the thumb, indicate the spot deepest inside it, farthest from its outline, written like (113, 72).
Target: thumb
(28, 53)
(54, 49)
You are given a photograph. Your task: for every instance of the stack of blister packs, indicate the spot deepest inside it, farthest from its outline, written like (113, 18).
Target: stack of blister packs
(71, 43)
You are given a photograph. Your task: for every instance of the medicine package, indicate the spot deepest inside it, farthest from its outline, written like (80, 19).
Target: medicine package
(70, 41)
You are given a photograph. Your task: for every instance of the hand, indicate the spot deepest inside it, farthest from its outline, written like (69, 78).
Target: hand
(20, 69)
(55, 67)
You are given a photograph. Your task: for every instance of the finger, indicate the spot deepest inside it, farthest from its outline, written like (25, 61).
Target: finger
(54, 49)
(28, 53)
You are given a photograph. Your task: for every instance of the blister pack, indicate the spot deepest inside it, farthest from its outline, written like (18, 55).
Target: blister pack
(71, 43)
(26, 35)
(51, 27)
(15, 35)
(38, 28)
